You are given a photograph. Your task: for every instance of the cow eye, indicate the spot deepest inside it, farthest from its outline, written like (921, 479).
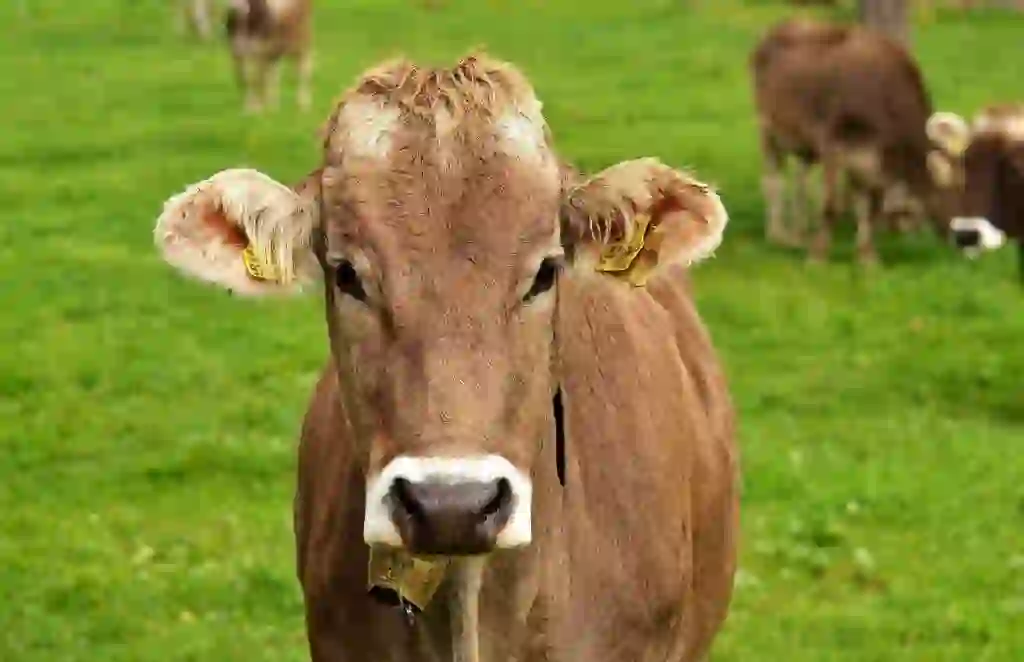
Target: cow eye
(545, 279)
(347, 281)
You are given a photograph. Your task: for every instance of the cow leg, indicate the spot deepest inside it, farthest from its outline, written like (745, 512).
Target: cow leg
(800, 200)
(272, 83)
(867, 205)
(304, 94)
(244, 76)
(773, 186)
(830, 210)
(201, 18)
(256, 99)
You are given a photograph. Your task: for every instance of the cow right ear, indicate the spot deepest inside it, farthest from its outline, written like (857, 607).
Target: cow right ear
(243, 231)
(638, 217)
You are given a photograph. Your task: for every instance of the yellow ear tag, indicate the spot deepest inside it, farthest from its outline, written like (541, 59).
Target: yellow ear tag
(413, 579)
(257, 269)
(958, 145)
(634, 260)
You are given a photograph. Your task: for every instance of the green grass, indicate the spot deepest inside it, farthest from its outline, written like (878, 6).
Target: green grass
(147, 423)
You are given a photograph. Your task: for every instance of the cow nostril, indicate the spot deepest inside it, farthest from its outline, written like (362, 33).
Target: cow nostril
(967, 238)
(401, 489)
(501, 499)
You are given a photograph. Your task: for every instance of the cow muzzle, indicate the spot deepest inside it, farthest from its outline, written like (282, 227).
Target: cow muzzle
(972, 235)
(449, 506)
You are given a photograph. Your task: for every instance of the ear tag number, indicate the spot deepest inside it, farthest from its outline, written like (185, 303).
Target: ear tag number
(257, 270)
(632, 261)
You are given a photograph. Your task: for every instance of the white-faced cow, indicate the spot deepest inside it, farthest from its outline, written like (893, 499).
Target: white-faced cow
(523, 432)
(853, 100)
(261, 33)
(989, 177)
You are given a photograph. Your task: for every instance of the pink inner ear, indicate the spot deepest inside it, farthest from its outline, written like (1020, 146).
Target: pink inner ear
(214, 219)
(664, 205)
(693, 203)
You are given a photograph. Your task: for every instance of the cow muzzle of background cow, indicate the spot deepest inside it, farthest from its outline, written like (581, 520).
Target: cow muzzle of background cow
(450, 506)
(974, 235)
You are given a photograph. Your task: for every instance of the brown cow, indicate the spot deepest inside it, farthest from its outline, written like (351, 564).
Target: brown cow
(521, 392)
(989, 176)
(854, 100)
(263, 32)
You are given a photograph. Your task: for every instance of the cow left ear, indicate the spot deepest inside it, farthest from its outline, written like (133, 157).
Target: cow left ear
(638, 217)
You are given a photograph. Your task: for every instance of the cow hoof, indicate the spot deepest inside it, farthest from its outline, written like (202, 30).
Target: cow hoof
(785, 239)
(792, 241)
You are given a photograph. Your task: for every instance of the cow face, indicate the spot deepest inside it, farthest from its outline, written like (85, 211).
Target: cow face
(987, 168)
(441, 224)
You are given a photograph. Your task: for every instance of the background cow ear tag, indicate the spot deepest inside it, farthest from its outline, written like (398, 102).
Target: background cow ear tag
(257, 269)
(633, 260)
(396, 576)
(957, 145)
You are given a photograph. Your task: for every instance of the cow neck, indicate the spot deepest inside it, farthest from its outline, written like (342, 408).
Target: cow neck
(464, 608)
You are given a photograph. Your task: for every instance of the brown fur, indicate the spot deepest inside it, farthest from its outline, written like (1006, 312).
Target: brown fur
(634, 558)
(261, 33)
(852, 99)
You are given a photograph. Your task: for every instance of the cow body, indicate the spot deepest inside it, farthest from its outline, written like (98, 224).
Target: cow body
(853, 100)
(262, 33)
(521, 392)
(990, 210)
(631, 560)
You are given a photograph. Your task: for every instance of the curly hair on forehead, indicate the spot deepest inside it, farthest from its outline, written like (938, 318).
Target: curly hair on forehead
(477, 84)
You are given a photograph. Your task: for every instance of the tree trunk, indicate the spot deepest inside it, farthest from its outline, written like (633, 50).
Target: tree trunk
(888, 16)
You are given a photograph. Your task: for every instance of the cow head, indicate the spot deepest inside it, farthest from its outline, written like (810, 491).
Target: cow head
(440, 222)
(983, 166)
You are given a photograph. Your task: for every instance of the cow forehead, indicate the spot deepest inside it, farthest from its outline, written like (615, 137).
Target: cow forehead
(481, 105)
(458, 156)
(1006, 119)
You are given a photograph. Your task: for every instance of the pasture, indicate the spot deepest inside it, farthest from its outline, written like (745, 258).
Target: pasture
(148, 423)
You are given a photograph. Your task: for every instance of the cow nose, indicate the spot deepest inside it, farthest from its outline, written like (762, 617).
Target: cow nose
(967, 238)
(450, 519)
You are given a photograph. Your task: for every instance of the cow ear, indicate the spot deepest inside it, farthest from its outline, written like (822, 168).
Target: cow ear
(637, 217)
(949, 131)
(1015, 155)
(243, 231)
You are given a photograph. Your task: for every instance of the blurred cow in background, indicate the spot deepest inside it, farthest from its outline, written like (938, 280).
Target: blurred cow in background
(989, 175)
(853, 100)
(263, 32)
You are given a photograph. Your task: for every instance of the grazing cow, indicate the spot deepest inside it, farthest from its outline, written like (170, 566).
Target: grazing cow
(523, 432)
(195, 16)
(263, 32)
(989, 177)
(853, 100)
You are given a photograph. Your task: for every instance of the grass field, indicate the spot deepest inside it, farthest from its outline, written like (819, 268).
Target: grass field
(147, 424)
